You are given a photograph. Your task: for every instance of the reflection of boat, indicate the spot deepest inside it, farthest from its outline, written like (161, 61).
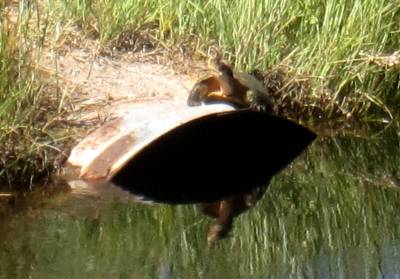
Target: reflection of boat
(177, 154)
(213, 155)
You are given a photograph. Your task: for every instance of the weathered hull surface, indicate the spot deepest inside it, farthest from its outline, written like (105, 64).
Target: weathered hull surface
(101, 154)
(179, 154)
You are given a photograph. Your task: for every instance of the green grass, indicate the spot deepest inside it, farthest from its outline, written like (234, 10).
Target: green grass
(28, 144)
(331, 56)
(330, 59)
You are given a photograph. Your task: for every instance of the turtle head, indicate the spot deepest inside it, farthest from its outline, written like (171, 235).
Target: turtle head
(219, 66)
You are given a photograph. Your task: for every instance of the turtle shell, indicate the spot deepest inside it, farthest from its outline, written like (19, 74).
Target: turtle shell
(251, 82)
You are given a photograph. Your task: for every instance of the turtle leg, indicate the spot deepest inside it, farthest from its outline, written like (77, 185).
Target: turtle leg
(201, 90)
(211, 209)
(220, 98)
(231, 92)
(223, 89)
(222, 225)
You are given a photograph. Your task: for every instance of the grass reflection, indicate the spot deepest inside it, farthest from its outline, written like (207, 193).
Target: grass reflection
(332, 214)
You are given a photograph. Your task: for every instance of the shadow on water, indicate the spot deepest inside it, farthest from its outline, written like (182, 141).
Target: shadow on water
(333, 213)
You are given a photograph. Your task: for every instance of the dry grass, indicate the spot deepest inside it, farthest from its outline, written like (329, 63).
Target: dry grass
(30, 144)
(322, 60)
(338, 59)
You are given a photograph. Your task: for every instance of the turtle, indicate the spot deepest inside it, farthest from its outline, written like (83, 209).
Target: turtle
(239, 89)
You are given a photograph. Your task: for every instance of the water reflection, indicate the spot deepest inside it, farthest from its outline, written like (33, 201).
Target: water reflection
(333, 213)
(224, 211)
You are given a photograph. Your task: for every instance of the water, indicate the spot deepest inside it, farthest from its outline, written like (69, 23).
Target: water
(333, 213)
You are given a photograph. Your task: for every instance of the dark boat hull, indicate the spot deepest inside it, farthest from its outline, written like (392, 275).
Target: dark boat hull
(214, 156)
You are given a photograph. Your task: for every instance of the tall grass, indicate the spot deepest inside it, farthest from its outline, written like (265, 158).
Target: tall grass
(26, 141)
(343, 53)
(321, 58)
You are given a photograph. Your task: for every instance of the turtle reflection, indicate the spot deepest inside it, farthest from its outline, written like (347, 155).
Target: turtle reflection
(225, 210)
(222, 211)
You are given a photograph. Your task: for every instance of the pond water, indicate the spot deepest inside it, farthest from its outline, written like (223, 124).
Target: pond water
(333, 213)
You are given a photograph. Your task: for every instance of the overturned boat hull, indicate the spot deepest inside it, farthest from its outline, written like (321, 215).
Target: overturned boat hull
(188, 155)
(214, 156)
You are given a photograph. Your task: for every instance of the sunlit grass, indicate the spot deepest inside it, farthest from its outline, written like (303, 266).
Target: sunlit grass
(320, 59)
(27, 144)
(339, 55)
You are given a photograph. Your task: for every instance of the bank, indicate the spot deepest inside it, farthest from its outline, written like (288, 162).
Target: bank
(322, 62)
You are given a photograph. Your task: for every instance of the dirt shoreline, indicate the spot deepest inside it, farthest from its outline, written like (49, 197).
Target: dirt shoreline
(99, 88)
